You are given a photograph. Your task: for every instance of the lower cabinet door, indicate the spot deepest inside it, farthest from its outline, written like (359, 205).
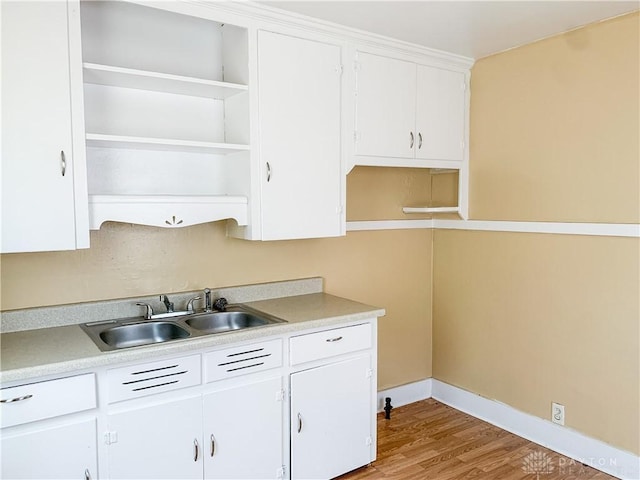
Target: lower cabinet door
(331, 419)
(60, 452)
(162, 441)
(243, 431)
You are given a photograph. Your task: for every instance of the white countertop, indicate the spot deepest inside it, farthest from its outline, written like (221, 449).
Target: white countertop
(29, 354)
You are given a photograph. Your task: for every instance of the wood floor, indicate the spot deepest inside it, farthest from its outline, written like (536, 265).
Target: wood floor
(429, 440)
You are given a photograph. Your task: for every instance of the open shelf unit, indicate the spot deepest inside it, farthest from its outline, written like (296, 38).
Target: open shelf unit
(166, 116)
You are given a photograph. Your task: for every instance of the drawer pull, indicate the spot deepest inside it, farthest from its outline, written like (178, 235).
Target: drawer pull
(299, 423)
(213, 445)
(17, 399)
(336, 339)
(196, 450)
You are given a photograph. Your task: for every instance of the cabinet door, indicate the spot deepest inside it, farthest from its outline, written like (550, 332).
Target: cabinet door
(243, 431)
(62, 452)
(38, 203)
(440, 117)
(159, 441)
(331, 418)
(299, 83)
(385, 107)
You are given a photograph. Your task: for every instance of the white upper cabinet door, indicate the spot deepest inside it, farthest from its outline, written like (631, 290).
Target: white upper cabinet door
(39, 160)
(299, 89)
(385, 107)
(440, 116)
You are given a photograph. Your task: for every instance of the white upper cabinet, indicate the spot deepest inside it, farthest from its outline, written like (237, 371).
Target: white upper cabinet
(408, 114)
(299, 110)
(167, 116)
(44, 198)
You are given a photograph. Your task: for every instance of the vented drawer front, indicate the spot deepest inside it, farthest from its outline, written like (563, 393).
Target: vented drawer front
(232, 362)
(149, 378)
(328, 343)
(37, 401)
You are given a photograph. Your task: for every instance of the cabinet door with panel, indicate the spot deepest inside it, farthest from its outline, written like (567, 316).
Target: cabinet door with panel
(385, 106)
(44, 200)
(54, 452)
(299, 82)
(440, 114)
(160, 441)
(331, 411)
(243, 431)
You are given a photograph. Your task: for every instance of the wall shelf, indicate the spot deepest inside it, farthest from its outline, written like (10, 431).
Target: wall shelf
(166, 210)
(159, 82)
(164, 144)
(430, 209)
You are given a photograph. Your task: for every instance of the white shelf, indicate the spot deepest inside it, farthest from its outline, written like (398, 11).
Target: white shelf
(166, 210)
(159, 82)
(430, 209)
(165, 144)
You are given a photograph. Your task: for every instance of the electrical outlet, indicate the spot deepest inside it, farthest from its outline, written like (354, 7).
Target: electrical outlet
(557, 413)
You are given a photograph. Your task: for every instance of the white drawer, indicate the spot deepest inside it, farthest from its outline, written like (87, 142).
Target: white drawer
(146, 379)
(242, 360)
(328, 343)
(37, 401)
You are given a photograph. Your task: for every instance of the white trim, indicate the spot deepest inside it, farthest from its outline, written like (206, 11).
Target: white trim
(405, 394)
(573, 444)
(388, 225)
(630, 230)
(600, 229)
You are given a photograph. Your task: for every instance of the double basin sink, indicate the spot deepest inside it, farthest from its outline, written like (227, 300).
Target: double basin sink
(118, 334)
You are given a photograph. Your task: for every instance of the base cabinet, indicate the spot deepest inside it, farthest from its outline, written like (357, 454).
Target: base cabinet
(64, 451)
(243, 432)
(154, 442)
(331, 410)
(233, 433)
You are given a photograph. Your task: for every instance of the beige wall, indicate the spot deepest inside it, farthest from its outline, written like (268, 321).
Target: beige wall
(528, 319)
(388, 269)
(554, 128)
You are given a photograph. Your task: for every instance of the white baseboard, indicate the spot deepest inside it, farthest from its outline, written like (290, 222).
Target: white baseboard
(405, 394)
(568, 442)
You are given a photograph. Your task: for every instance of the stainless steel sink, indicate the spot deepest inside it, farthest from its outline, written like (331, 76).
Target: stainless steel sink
(218, 322)
(117, 334)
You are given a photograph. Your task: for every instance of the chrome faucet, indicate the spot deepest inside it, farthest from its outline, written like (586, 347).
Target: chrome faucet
(164, 299)
(208, 305)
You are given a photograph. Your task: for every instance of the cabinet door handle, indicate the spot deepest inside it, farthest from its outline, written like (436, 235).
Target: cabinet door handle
(87, 475)
(63, 163)
(419, 140)
(268, 172)
(17, 399)
(213, 445)
(299, 422)
(411, 144)
(196, 450)
(336, 339)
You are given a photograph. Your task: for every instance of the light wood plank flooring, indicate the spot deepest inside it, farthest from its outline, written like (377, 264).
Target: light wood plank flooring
(429, 440)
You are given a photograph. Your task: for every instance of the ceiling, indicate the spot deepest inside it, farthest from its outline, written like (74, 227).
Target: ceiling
(470, 28)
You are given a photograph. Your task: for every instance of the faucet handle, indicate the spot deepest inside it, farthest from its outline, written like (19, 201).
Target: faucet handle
(149, 313)
(190, 303)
